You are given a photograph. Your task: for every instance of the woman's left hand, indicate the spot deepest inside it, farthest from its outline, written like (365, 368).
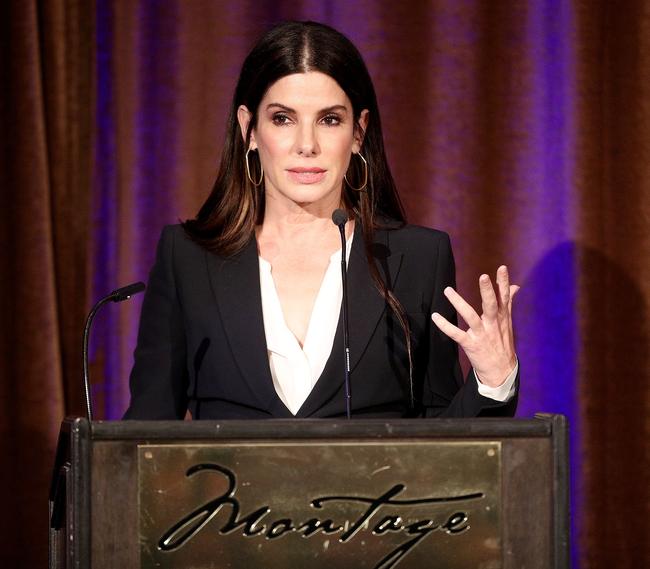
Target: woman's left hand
(489, 341)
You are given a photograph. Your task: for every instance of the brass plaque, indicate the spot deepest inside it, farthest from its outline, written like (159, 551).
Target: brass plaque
(328, 504)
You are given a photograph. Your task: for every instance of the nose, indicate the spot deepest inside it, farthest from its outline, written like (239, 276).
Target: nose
(307, 141)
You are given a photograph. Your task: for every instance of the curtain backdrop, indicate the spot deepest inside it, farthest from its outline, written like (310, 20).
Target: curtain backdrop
(46, 107)
(521, 128)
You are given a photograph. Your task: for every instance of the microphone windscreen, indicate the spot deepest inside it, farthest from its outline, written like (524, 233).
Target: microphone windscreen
(339, 217)
(126, 292)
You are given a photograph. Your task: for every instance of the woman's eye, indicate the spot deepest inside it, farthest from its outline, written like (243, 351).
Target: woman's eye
(280, 119)
(331, 120)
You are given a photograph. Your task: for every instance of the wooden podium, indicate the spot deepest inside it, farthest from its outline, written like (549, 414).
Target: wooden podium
(435, 493)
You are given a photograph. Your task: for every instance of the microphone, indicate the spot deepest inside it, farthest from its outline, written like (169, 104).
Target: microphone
(117, 295)
(340, 218)
(126, 292)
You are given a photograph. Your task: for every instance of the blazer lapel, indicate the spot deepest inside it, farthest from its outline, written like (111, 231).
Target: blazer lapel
(365, 305)
(365, 309)
(236, 287)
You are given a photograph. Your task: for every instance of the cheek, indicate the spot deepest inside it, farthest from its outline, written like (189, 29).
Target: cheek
(271, 149)
(336, 142)
(342, 150)
(270, 140)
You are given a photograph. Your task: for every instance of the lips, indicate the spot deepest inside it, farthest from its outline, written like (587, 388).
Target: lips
(306, 175)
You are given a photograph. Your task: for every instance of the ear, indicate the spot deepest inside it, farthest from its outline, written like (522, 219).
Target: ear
(360, 130)
(244, 118)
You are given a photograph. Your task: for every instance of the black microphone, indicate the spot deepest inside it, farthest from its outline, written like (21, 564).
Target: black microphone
(126, 292)
(118, 295)
(340, 218)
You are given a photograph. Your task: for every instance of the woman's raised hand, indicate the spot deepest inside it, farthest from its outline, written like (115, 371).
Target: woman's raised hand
(489, 340)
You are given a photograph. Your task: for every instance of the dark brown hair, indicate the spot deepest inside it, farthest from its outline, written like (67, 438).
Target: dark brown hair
(226, 221)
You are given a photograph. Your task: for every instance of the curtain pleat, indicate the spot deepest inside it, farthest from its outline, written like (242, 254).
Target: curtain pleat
(45, 105)
(613, 251)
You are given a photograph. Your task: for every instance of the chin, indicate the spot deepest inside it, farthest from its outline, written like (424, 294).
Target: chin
(312, 197)
(309, 194)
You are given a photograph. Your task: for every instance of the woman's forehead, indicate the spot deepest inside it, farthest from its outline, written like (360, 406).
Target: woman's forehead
(304, 92)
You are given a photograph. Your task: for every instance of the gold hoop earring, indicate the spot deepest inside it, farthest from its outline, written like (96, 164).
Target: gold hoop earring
(248, 172)
(365, 175)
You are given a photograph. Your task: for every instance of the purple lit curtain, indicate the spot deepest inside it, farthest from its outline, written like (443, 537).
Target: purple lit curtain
(521, 128)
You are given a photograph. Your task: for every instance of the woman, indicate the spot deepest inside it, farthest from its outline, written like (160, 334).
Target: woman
(241, 316)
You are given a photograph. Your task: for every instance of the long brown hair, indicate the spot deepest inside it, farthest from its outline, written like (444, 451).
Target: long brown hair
(226, 221)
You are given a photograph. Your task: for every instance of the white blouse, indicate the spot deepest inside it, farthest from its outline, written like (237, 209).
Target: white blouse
(296, 369)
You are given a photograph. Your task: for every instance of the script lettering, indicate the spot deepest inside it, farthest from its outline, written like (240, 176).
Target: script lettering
(257, 524)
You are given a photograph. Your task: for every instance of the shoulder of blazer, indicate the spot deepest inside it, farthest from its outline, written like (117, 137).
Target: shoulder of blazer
(176, 236)
(185, 251)
(413, 240)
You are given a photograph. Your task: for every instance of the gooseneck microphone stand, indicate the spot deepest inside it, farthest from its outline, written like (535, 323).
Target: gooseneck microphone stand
(118, 295)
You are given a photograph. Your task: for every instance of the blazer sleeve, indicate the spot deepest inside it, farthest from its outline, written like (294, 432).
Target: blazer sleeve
(159, 377)
(445, 394)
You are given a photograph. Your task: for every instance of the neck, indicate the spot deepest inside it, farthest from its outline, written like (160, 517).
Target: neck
(287, 220)
(302, 229)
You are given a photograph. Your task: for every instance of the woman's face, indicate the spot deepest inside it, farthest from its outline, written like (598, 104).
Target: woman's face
(305, 137)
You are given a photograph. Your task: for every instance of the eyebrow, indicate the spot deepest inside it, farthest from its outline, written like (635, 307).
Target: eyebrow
(290, 110)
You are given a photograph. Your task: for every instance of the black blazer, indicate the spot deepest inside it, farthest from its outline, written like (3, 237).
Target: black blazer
(201, 343)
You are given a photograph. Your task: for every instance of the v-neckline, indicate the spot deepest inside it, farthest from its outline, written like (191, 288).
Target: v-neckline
(241, 313)
(276, 305)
